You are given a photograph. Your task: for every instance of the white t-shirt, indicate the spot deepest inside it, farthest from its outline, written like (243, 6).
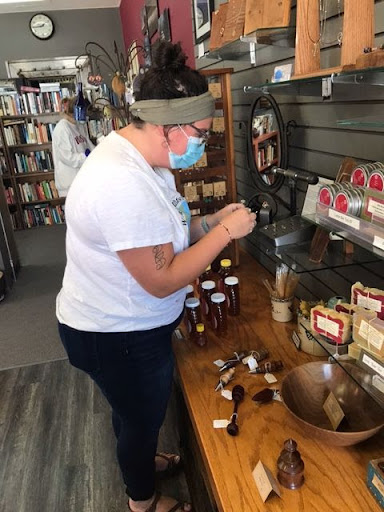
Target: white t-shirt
(117, 201)
(69, 142)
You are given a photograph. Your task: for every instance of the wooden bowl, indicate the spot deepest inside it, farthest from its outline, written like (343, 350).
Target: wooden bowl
(305, 389)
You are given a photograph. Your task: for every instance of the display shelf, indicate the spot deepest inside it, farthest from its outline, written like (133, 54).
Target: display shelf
(347, 363)
(28, 175)
(322, 85)
(246, 47)
(362, 233)
(31, 144)
(369, 122)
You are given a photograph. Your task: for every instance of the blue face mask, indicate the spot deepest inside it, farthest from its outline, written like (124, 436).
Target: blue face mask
(193, 153)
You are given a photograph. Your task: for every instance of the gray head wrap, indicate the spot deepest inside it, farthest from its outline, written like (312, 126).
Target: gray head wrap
(175, 111)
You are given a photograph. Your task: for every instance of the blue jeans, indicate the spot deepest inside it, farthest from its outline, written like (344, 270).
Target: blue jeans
(134, 371)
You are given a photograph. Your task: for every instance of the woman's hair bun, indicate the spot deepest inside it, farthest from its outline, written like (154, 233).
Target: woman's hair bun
(169, 56)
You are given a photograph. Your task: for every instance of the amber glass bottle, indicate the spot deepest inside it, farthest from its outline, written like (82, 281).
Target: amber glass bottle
(232, 293)
(224, 271)
(219, 312)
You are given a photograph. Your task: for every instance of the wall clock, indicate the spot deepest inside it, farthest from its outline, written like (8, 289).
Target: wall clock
(41, 26)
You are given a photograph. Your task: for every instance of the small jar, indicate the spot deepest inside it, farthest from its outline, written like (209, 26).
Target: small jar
(193, 314)
(376, 180)
(190, 292)
(232, 293)
(207, 289)
(219, 312)
(200, 336)
(224, 271)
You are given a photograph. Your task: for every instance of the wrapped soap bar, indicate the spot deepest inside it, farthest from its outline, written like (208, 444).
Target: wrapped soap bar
(376, 336)
(349, 309)
(331, 324)
(368, 298)
(361, 321)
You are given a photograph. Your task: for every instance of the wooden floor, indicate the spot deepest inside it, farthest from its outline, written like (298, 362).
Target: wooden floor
(57, 451)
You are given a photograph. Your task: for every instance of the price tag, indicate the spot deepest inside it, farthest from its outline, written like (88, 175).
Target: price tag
(333, 410)
(219, 362)
(378, 242)
(270, 378)
(264, 481)
(218, 125)
(220, 423)
(226, 393)
(252, 363)
(215, 90)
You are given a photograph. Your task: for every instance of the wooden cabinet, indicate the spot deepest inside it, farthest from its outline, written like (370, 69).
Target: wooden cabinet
(211, 183)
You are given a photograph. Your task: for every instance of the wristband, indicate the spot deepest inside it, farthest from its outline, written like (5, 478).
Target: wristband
(227, 230)
(204, 224)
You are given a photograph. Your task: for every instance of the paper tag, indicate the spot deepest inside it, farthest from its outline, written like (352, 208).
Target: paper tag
(333, 410)
(376, 208)
(220, 423)
(215, 89)
(270, 378)
(375, 338)
(378, 242)
(219, 363)
(378, 368)
(178, 334)
(218, 125)
(363, 329)
(277, 396)
(378, 484)
(252, 363)
(264, 481)
(344, 219)
(226, 393)
(246, 359)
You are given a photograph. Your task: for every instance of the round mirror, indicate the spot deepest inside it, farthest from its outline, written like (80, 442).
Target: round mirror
(267, 147)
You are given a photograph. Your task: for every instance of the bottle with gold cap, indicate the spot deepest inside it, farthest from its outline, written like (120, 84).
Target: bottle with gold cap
(200, 335)
(224, 271)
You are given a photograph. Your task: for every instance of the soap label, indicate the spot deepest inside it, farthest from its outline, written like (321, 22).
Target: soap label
(329, 326)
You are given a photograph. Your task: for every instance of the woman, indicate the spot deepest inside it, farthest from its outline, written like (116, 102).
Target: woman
(70, 147)
(130, 258)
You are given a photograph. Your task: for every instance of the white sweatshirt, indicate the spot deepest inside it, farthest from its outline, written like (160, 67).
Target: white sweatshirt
(69, 143)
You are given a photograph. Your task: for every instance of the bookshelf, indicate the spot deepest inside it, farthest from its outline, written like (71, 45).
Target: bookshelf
(211, 183)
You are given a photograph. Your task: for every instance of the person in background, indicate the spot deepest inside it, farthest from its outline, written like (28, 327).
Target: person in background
(132, 249)
(70, 147)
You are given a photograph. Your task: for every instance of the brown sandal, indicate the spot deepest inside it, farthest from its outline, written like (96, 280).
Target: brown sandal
(173, 465)
(175, 508)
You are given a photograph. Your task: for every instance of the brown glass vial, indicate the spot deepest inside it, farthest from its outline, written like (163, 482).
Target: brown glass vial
(290, 466)
(200, 336)
(225, 270)
(193, 314)
(269, 366)
(219, 312)
(207, 289)
(232, 293)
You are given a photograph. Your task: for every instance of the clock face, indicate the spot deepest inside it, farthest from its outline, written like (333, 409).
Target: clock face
(41, 26)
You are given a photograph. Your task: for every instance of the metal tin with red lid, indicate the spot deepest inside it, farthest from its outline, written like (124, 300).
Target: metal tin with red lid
(359, 176)
(348, 201)
(326, 195)
(376, 180)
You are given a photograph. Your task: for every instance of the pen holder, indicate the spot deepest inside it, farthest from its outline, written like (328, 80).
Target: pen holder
(282, 309)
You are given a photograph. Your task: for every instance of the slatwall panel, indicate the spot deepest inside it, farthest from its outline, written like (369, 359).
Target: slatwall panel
(317, 144)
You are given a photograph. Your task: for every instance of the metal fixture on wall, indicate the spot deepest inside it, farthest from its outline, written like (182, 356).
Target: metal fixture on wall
(120, 67)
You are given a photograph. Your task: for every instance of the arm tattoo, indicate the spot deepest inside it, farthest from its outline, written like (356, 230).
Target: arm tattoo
(159, 256)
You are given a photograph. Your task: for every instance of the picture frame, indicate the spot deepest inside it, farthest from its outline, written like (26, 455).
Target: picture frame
(152, 16)
(202, 15)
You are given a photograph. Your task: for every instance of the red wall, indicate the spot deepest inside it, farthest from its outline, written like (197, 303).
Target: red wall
(180, 15)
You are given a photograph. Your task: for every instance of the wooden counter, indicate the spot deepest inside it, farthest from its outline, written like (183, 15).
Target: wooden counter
(335, 478)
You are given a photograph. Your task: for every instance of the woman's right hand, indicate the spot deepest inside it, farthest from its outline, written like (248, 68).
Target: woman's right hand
(240, 222)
